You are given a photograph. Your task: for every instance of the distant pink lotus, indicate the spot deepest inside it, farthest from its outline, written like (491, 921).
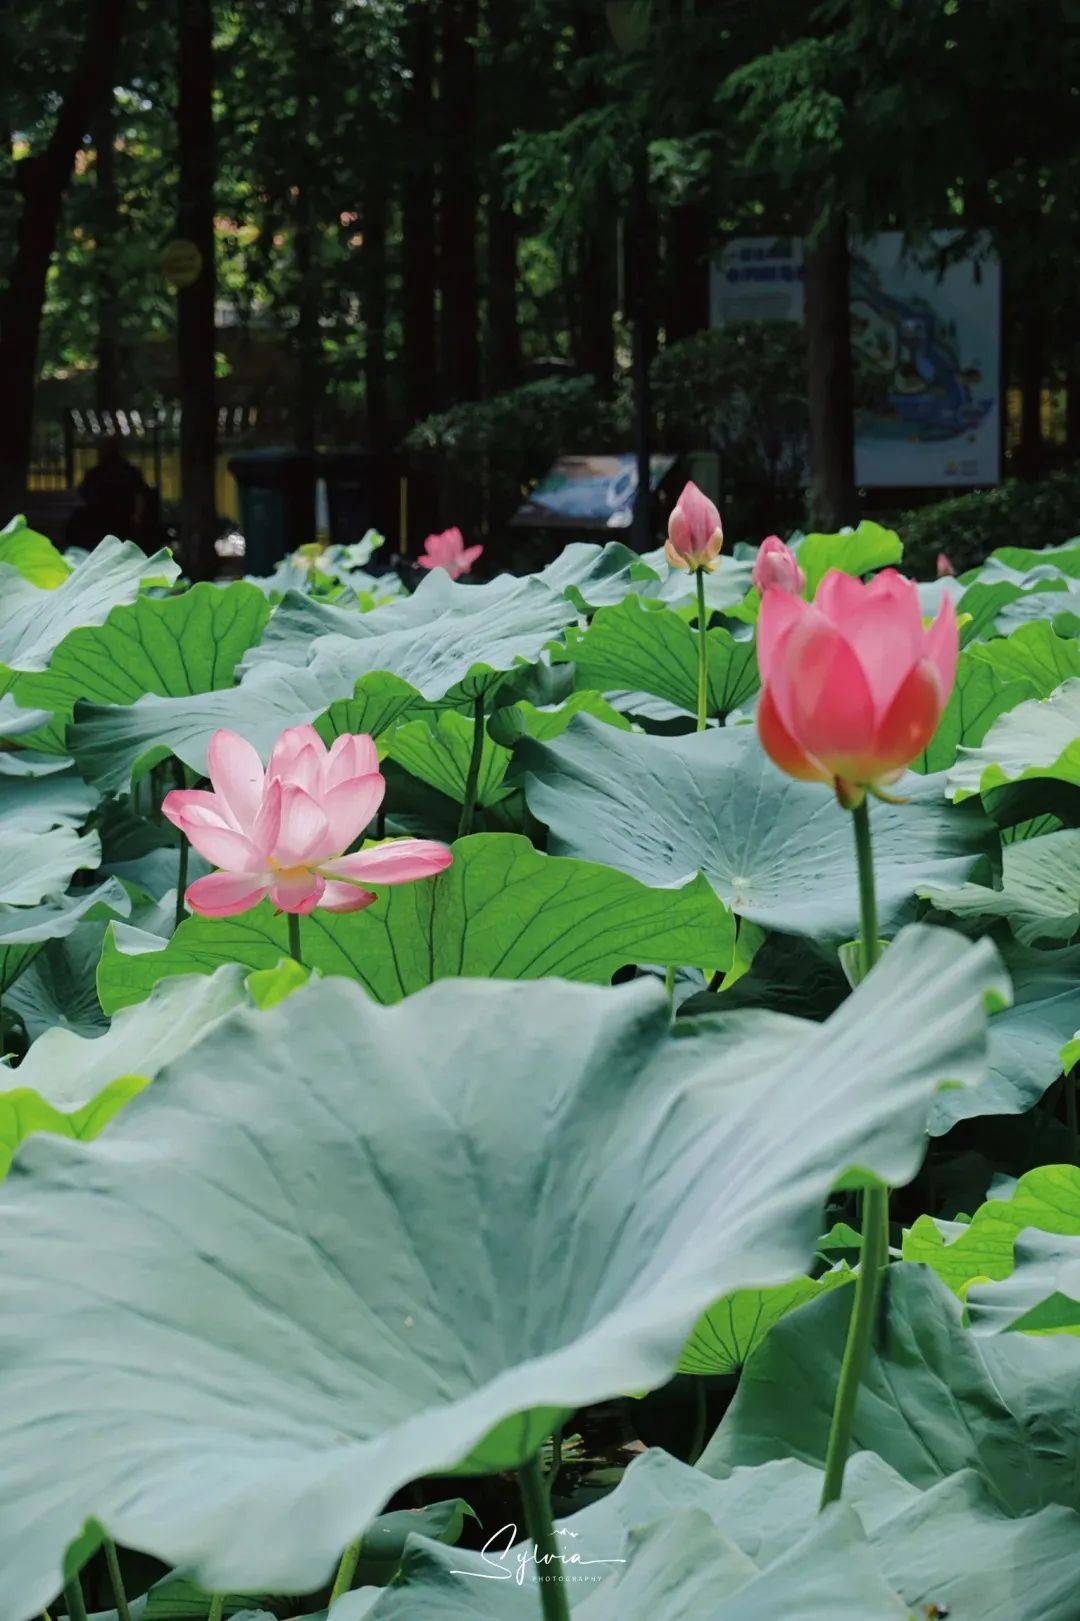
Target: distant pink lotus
(854, 685)
(450, 552)
(777, 565)
(282, 832)
(944, 565)
(695, 533)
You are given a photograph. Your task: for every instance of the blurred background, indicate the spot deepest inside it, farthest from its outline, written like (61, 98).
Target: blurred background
(278, 270)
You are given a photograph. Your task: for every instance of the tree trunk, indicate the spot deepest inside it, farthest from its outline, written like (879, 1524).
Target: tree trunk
(503, 340)
(195, 329)
(1032, 334)
(687, 281)
(42, 181)
(459, 308)
(374, 300)
(107, 235)
(418, 218)
(830, 394)
(1072, 401)
(314, 25)
(593, 309)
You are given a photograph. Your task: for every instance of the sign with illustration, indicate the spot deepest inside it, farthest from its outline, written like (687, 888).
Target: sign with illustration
(927, 350)
(589, 492)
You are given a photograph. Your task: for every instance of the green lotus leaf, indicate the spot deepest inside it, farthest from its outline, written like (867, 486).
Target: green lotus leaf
(1040, 890)
(318, 1193)
(36, 864)
(1040, 1296)
(39, 802)
(949, 1546)
(777, 851)
(856, 551)
(981, 693)
(114, 745)
(1029, 1039)
(1038, 739)
(1047, 1198)
(33, 622)
(171, 646)
(728, 1332)
(501, 910)
(25, 930)
(648, 648)
(437, 750)
(447, 641)
(1011, 1413)
(1033, 653)
(35, 557)
(57, 986)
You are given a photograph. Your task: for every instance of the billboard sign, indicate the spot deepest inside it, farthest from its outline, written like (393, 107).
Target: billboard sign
(926, 343)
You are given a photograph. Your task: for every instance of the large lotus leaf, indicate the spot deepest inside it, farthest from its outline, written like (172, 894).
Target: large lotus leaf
(1047, 1198)
(593, 576)
(934, 1399)
(446, 640)
(1038, 739)
(35, 557)
(115, 744)
(15, 721)
(501, 910)
(37, 803)
(1033, 653)
(726, 1335)
(635, 647)
(1040, 890)
(37, 864)
(679, 1567)
(853, 551)
(948, 1546)
(59, 985)
(725, 588)
(1031, 561)
(437, 750)
(777, 851)
(33, 622)
(1029, 1039)
(358, 1244)
(172, 646)
(24, 930)
(980, 694)
(1040, 1296)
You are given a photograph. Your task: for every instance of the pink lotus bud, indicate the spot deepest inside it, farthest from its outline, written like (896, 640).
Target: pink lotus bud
(776, 567)
(853, 685)
(695, 534)
(944, 566)
(283, 831)
(449, 551)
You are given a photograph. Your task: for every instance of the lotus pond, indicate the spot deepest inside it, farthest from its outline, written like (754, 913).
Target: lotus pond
(508, 1116)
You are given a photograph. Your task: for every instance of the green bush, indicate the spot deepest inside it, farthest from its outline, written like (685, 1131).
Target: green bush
(969, 527)
(502, 445)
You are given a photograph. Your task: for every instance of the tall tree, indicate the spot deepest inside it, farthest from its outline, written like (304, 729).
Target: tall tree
(418, 213)
(42, 179)
(830, 392)
(501, 221)
(459, 334)
(107, 234)
(195, 327)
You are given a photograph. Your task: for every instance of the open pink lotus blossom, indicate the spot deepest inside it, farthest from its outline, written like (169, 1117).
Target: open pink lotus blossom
(282, 832)
(450, 552)
(854, 686)
(776, 564)
(695, 533)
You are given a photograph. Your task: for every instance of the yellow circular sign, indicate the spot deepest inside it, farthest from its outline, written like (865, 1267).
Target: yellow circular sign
(181, 263)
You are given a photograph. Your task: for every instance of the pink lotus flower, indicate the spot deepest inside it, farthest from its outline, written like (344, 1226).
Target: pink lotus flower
(776, 565)
(450, 552)
(695, 533)
(282, 832)
(854, 686)
(944, 565)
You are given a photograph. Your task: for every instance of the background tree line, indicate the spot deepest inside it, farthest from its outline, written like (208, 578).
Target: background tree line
(404, 206)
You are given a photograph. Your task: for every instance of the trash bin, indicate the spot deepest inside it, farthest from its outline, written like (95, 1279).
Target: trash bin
(352, 493)
(277, 504)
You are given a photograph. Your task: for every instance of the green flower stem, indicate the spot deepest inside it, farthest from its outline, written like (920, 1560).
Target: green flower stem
(181, 881)
(703, 653)
(1071, 1119)
(468, 809)
(346, 1571)
(73, 1598)
(294, 937)
(112, 1560)
(549, 1571)
(217, 1607)
(875, 1224)
(669, 986)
